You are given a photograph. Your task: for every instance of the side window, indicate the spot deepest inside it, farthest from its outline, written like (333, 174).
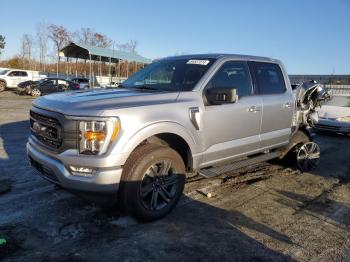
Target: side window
(269, 78)
(52, 83)
(24, 73)
(62, 82)
(233, 75)
(14, 73)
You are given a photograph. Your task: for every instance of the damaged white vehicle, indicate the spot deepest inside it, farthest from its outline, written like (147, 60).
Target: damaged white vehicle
(334, 116)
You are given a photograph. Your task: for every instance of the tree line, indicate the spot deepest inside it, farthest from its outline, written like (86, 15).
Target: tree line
(40, 51)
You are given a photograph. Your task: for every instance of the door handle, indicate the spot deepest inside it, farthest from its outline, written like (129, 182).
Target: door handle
(287, 105)
(254, 109)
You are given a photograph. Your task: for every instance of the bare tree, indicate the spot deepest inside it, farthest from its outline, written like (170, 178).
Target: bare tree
(27, 49)
(129, 46)
(101, 40)
(88, 36)
(27, 46)
(42, 36)
(60, 37)
(84, 36)
(2, 43)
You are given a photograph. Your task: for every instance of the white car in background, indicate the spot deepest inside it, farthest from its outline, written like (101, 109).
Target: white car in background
(10, 78)
(334, 116)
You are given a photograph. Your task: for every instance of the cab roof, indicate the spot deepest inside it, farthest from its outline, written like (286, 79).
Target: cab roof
(222, 56)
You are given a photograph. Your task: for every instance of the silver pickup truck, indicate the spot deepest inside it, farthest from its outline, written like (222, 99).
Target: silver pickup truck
(195, 114)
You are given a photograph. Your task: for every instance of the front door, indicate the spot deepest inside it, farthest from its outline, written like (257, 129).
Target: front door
(13, 78)
(232, 130)
(50, 86)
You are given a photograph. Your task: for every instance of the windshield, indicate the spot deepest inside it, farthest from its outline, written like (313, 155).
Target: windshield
(2, 72)
(343, 101)
(170, 75)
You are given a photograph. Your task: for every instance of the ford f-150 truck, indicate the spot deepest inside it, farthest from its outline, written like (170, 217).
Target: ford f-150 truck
(195, 114)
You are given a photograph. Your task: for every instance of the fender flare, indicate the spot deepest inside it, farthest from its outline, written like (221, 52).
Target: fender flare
(160, 128)
(300, 136)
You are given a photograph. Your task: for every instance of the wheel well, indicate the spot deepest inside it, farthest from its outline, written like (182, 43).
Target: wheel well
(176, 142)
(299, 137)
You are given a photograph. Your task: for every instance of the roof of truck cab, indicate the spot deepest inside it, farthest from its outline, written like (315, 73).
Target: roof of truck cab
(221, 55)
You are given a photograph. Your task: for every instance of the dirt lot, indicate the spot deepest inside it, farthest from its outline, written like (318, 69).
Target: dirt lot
(268, 212)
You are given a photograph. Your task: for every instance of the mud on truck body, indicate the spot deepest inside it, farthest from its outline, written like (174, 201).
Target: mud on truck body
(195, 114)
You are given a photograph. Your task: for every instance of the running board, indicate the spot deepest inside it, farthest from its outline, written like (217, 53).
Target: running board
(220, 170)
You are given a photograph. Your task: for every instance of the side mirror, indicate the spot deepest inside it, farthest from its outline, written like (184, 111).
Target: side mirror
(219, 96)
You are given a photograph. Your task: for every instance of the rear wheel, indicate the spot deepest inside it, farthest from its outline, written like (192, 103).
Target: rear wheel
(2, 86)
(152, 182)
(308, 156)
(36, 92)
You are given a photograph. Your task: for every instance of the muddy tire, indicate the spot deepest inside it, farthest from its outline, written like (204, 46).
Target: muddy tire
(2, 86)
(36, 92)
(152, 182)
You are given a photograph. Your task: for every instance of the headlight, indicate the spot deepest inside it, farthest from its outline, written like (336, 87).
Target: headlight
(344, 119)
(96, 135)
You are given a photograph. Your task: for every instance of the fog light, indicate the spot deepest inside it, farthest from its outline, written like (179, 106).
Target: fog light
(81, 171)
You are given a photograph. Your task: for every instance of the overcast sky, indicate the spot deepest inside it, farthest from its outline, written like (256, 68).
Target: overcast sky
(310, 37)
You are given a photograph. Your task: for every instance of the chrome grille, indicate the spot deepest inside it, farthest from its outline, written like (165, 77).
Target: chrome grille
(46, 129)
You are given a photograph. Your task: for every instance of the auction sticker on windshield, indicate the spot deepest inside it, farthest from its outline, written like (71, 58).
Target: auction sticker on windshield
(197, 62)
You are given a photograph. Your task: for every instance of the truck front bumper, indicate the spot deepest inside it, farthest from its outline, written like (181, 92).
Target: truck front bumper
(102, 181)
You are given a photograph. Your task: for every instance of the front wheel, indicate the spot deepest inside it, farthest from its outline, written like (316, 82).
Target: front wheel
(152, 182)
(36, 92)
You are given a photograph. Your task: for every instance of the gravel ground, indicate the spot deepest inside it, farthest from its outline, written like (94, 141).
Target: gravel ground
(267, 212)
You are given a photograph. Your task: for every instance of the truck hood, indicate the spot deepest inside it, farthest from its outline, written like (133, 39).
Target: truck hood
(98, 102)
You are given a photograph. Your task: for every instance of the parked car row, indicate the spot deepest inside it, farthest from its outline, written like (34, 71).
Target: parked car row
(36, 84)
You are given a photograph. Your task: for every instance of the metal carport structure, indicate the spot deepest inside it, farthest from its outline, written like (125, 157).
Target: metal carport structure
(93, 53)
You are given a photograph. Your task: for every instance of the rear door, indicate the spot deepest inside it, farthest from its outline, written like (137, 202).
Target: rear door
(277, 100)
(231, 130)
(23, 77)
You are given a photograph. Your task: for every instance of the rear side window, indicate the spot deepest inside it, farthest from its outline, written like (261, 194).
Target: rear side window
(233, 75)
(15, 73)
(24, 73)
(269, 78)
